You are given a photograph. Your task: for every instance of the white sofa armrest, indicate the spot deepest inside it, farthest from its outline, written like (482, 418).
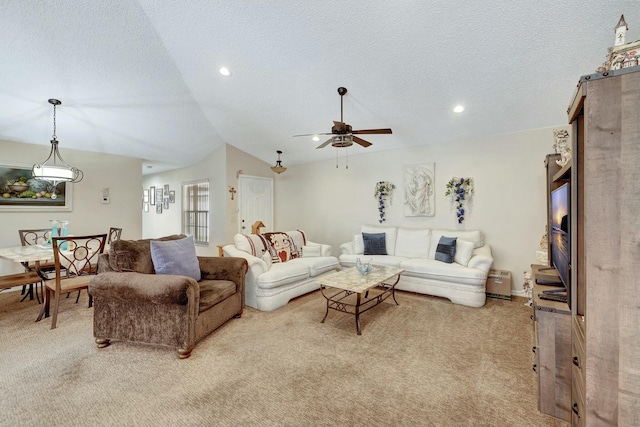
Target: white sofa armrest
(256, 265)
(482, 258)
(347, 248)
(325, 250)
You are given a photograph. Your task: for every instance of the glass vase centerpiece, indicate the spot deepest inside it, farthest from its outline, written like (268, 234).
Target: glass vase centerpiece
(59, 228)
(364, 269)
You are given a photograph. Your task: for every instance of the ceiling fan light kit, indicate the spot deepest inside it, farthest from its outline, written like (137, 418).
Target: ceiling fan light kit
(278, 168)
(54, 169)
(343, 134)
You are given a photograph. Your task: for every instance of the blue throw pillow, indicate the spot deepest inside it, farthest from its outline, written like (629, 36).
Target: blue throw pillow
(176, 257)
(374, 243)
(446, 249)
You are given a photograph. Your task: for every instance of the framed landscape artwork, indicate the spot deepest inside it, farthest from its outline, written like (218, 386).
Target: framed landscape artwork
(21, 192)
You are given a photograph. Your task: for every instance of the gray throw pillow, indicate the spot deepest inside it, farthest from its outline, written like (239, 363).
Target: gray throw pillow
(446, 250)
(176, 257)
(374, 243)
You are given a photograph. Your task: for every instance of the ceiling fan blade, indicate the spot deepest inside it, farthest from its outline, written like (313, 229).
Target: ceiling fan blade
(324, 144)
(360, 141)
(372, 131)
(314, 134)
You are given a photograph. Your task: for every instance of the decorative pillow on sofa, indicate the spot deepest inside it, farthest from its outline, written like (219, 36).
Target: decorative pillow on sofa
(464, 252)
(285, 246)
(374, 243)
(135, 255)
(446, 249)
(390, 235)
(176, 257)
(311, 251)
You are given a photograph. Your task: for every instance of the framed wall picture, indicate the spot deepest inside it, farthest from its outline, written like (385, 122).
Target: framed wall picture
(145, 196)
(172, 196)
(166, 190)
(159, 206)
(19, 191)
(159, 196)
(419, 196)
(152, 195)
(146, 207)
(166, 203)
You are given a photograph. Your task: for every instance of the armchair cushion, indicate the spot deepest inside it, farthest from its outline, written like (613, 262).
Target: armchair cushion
(176, 257)
(214, 291)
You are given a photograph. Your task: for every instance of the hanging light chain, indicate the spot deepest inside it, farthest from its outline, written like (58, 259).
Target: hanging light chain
(54, 121)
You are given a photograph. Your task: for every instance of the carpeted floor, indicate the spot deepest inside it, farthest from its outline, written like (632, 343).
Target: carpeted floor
(426, 362)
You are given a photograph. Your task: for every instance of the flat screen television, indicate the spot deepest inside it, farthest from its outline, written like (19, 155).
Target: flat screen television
(561, 232)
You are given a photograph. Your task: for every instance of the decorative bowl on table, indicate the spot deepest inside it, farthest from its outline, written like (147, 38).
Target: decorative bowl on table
(364, 269)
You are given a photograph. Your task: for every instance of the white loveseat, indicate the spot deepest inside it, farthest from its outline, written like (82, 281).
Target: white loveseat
(462, 281)
(282, 266)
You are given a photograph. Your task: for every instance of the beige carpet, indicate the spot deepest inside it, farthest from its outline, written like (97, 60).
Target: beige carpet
(424, 362)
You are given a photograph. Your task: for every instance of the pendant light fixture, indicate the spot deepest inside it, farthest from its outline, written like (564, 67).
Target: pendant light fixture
(278, 168)
(54, 169)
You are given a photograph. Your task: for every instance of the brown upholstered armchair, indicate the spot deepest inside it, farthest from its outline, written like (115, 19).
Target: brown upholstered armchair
(132, 303)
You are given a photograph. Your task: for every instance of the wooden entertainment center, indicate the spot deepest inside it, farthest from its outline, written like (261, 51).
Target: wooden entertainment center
(604, 176)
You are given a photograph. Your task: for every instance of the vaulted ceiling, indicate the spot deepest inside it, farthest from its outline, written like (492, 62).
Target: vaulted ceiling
(140, 77)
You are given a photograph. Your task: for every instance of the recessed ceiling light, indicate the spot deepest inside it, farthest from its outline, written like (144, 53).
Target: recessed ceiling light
(458, 109)
(225, 71)
(316, 138)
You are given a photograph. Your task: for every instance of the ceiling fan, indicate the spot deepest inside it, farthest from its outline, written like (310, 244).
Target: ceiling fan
(343, 135)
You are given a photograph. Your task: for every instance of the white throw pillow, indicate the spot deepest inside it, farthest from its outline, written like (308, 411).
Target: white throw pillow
(413, 243)
(464, 252)
(358, 244)
(311, 251)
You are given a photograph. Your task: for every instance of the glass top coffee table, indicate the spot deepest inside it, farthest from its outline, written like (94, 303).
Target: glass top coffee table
(357, 293)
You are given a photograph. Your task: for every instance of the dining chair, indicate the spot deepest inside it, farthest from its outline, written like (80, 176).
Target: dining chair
(32, 237)
(76, 262)
(114, 234)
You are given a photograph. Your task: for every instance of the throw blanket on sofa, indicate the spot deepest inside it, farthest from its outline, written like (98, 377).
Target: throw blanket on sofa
(281, 246)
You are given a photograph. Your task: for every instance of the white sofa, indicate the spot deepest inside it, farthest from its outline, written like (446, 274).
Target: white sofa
(270, 282)
(462, 281)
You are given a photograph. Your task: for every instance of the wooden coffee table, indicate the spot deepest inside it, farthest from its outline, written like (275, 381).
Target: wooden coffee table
(358, 293)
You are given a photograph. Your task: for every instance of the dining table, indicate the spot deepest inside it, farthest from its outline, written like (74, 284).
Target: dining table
(35, 254)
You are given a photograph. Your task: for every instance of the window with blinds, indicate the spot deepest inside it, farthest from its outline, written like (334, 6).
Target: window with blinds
(195, 211)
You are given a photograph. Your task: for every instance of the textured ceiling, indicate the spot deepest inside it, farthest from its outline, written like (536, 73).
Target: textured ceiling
(140, 77)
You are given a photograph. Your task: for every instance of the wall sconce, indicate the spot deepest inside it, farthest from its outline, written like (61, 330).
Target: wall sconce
(278, 168)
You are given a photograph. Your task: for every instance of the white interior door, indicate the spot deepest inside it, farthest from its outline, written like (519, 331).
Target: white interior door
(255, 202)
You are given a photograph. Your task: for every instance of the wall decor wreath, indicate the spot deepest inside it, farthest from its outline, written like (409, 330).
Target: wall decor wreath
(384, 192)
(460, 190)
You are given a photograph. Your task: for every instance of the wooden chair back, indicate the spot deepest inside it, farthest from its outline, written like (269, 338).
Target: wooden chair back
(77, 255)
(114, 234)
(76, 260)
(32, 237)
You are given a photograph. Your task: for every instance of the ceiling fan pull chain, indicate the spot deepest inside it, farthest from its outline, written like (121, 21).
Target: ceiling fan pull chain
(347, 157)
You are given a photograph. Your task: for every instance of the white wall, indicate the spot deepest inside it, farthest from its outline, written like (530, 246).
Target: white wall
(508, 205)
(220, 168)
(122, 175)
